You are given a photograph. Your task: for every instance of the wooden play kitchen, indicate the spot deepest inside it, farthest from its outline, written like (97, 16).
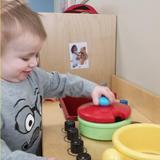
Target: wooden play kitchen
(53, 123)
(99, 31)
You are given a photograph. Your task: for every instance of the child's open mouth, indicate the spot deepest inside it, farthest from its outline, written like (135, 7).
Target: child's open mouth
(27, 72)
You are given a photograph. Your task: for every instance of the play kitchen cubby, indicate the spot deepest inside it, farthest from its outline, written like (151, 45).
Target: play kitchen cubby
(70, 105)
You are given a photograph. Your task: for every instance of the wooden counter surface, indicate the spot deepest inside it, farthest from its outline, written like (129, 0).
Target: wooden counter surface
(54, 144)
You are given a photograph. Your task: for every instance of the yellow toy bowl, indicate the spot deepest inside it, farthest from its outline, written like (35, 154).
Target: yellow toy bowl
(135, 142)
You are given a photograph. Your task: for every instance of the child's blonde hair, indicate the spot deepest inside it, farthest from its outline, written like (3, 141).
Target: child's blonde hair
(16, 18)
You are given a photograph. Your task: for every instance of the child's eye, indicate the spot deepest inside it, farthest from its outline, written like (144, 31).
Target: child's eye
(37, 55)
(25, 59)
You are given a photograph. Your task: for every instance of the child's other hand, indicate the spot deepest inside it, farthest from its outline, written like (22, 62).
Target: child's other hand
(102, 91)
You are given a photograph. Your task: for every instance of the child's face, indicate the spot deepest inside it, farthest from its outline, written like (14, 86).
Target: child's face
(74, 49)
(20, 57)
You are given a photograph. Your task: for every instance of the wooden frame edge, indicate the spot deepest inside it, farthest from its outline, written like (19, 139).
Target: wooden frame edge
(142, 100)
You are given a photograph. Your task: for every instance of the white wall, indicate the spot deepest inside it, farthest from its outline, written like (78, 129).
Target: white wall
(138, 39)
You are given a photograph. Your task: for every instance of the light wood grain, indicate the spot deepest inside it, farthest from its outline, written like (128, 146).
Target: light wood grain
(145, 102)
(98, 30)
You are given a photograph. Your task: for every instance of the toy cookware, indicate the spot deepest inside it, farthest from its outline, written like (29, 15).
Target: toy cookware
(100, 122)
(135, 142)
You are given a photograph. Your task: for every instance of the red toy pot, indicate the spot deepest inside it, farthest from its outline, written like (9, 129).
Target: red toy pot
(104, 114)
(100, 122)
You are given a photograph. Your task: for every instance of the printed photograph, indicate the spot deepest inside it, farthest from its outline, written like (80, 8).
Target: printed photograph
(78, 55)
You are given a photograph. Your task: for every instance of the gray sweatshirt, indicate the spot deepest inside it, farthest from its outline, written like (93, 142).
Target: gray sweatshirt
(21, 110)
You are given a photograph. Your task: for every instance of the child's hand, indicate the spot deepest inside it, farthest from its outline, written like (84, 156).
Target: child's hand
(102, 91)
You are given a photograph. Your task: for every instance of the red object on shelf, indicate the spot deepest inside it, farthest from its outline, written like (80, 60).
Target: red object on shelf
(104, 114)
(81, 8)
(70, 105)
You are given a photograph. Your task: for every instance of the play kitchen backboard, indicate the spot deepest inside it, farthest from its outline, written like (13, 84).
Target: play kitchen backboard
(82, 44)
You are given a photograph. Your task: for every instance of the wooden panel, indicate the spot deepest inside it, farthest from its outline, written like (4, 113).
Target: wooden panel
(143, 101)
(97, 30)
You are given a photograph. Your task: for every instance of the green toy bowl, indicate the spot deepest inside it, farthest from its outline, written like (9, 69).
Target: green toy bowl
(100, 131)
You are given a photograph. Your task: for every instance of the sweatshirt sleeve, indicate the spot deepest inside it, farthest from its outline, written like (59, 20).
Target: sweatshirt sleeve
(59, 85)
(7, 154)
